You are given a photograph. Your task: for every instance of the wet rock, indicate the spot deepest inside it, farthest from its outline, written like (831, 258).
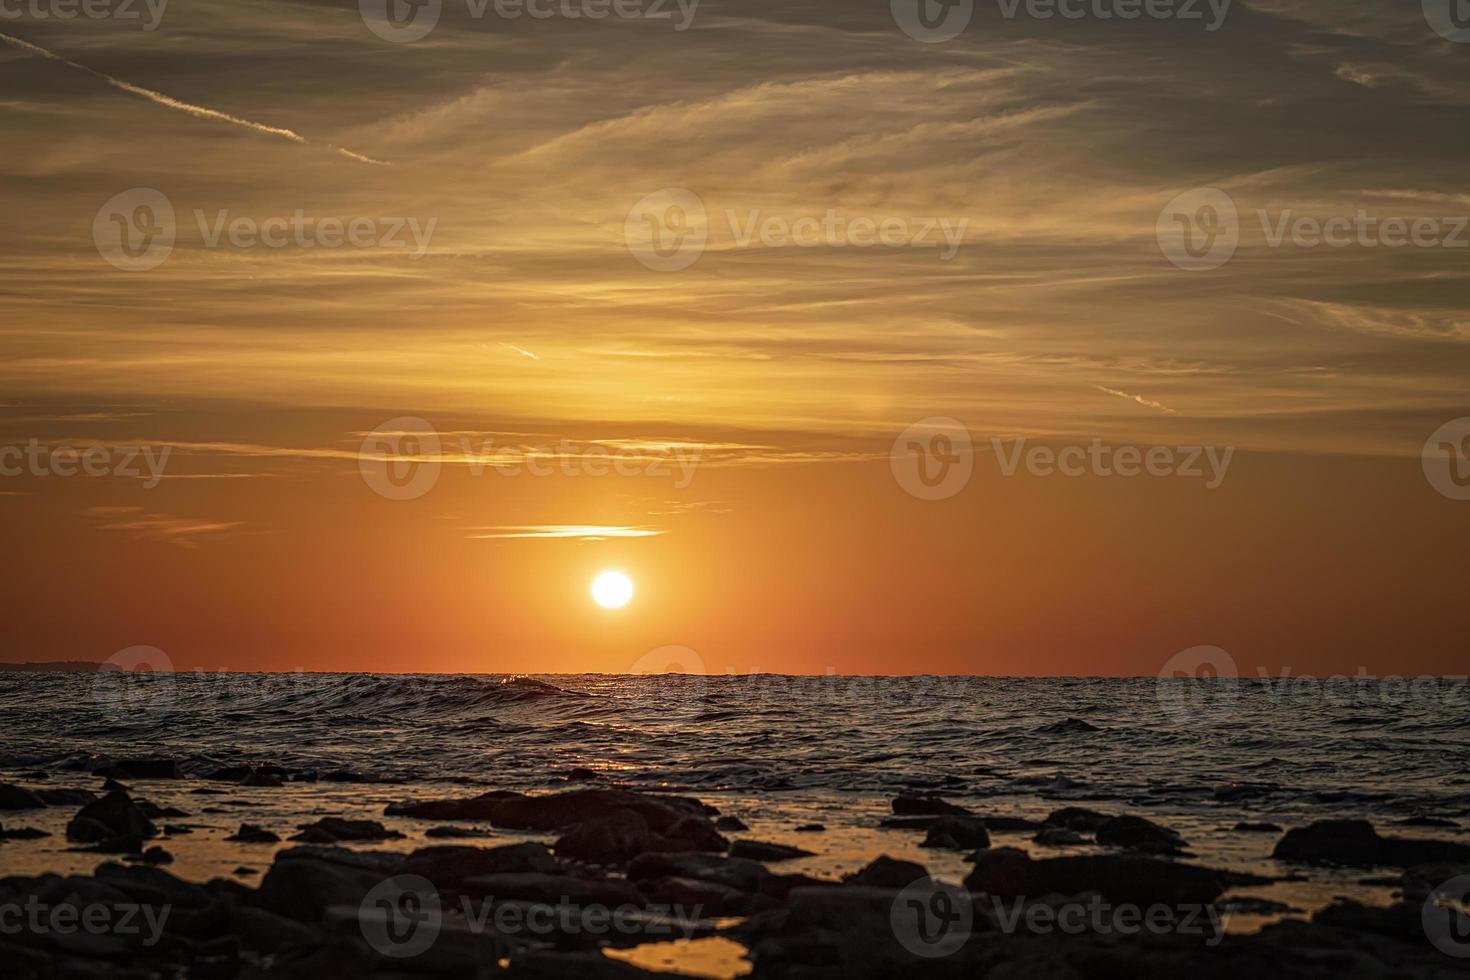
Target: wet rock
(113, 786)
(693, 833)
(1355, 842)
(66, 797)
(458, 832)
(887, 872)
(925, 806)
(249, 833)
(711, 898)
(265, 779)
(1245, 827)
(155, 812)
(446, 865)
(144, 769)
(1077, 818)
(558, 810)
(741, 874)
(304, 881)
(1071, 726)
(333, 829)
(266, 932)
(244, 872)
(730, 823)
(613, 839)
(231, 774)
(480, 807)
(957, 834)
(157, 855)
(756, 850)
(809, 828)
(580, 774)
(113, 816)
(1059, 837)
(1139, 834)
(18, 798)
(1423, 821)
(556, 889)
(1009, 873)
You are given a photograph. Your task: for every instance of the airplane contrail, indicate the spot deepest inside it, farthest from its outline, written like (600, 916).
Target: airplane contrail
(169, 102)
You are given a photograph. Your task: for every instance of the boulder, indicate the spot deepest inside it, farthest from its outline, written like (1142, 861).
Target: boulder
(613, 839)
(480, 807)
(113, 816)
(756, 850)
(18, 798)
(925, 806)
(1138, 834)
(304, 882)
(957, 834)
(1009, 873)
(446, 865)
(1077, 818)
(1355, 842)
(886, 872)
(558, 810)
(333, 829)
(251, 834)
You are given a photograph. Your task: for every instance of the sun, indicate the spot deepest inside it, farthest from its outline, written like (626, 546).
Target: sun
(612, 590)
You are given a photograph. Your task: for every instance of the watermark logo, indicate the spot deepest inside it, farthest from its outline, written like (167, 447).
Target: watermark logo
(1446, 917)
(134, 231)
(933, 459)
(1103, 918)
(932, 21)
(1446, 459)
(671, 681)
(401, 917)
(1198, 684)
(1207, 463)
(667, 230)
(149, 13)
(133, 681)
(401, 21)
(1450, 19)
(34, 917)
(932, 918)
(400, 459)
(1199, 230)
(46, 460)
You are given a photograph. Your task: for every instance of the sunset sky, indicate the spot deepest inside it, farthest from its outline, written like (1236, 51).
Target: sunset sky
(532, 324)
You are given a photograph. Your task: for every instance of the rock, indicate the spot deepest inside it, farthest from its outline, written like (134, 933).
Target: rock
(304, 881)
(262, 779)
(22, 833)
(66, 797)
(155, 812)
(559, 810)
(957, 834)
(144, 769)
(266, 932)
(244, 872)
(1139, 834)
(113, 786)
(1423, 821)
(579, 774)
(741, 874)
(1059, 837)
(157, 855)
(231, 774)
(1077, 818)
(887, 872)
(709, 897)
(1355, 842)
(693, 833)
(476, 808)
(809, 828)
(18, 798)
(458, 832)
(730, 823)
(333, 829)
(446, 865)
(756, 850)
(249, 833)
(114, 815)
(1071, 726)
(925, 806)
(1256, 828)
(613, 839)
(555, 889)
(1008, 873)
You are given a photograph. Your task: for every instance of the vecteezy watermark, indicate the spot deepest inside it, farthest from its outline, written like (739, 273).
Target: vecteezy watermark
(669, 230)
(406, 21)
(1446, 917)
(1446, 459)
(1097, 458)
(1198, 685)
(933, 459)
(403, 458)
(403, 917)
(148, 13)
(670, 681)
(1201, 229)
(1100, 917)
(136, 231)
(113, 919)
(133, 681)
(933, 21)
(1450, 19)
(932, 918)
(46, 460)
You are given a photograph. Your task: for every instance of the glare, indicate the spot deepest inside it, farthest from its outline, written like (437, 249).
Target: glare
(612, 590)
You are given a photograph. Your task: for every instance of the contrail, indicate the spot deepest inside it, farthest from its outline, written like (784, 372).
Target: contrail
(1136, 398)
(170, 102)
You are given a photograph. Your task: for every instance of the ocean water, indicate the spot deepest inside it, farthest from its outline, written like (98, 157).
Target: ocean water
(1195, 755)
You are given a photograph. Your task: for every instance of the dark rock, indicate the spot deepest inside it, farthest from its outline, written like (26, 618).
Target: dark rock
(267, 932)
(249, 833)
(730, 823)
(1244, 827)
(157, 855)
(887, 872)
(613, 839)
(114, 815)
(66, 797)
(1355, 842)
(741, 874)
(558, 810)
(231, 774)
(446, 865)
(1008, 873)
(1139, 834)
(304, 881)
(756, 850)
(22, 833)
(711, 898)
(1058, 837)
(957, 834)
(244, 872)
(113, 786)
(1077, 818)
(332, 829)
(809, 828)
(267, 779)
(145, 769)
(1423, 821)
(19, 798)
(557, 889)
(155, 812)
(480, 807)
(1068, 727)
(580, 773)
(457, 832)
(925, 806)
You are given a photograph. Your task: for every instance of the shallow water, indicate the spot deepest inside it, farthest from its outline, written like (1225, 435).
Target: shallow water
(778, 752)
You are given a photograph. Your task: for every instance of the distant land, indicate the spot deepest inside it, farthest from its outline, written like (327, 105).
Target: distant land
(60, 666)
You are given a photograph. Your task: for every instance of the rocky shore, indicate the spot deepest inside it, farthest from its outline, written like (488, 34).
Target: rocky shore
(618, 883)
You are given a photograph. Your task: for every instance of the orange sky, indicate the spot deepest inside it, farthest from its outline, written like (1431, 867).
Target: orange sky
(788, 355)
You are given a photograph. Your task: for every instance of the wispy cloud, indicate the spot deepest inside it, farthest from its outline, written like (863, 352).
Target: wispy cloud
(581, 532)
(1145, 402)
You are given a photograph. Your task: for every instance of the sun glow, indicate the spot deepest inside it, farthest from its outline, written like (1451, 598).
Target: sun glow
(612, 590)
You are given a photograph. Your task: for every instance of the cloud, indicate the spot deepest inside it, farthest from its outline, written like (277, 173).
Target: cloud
(580, 532)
